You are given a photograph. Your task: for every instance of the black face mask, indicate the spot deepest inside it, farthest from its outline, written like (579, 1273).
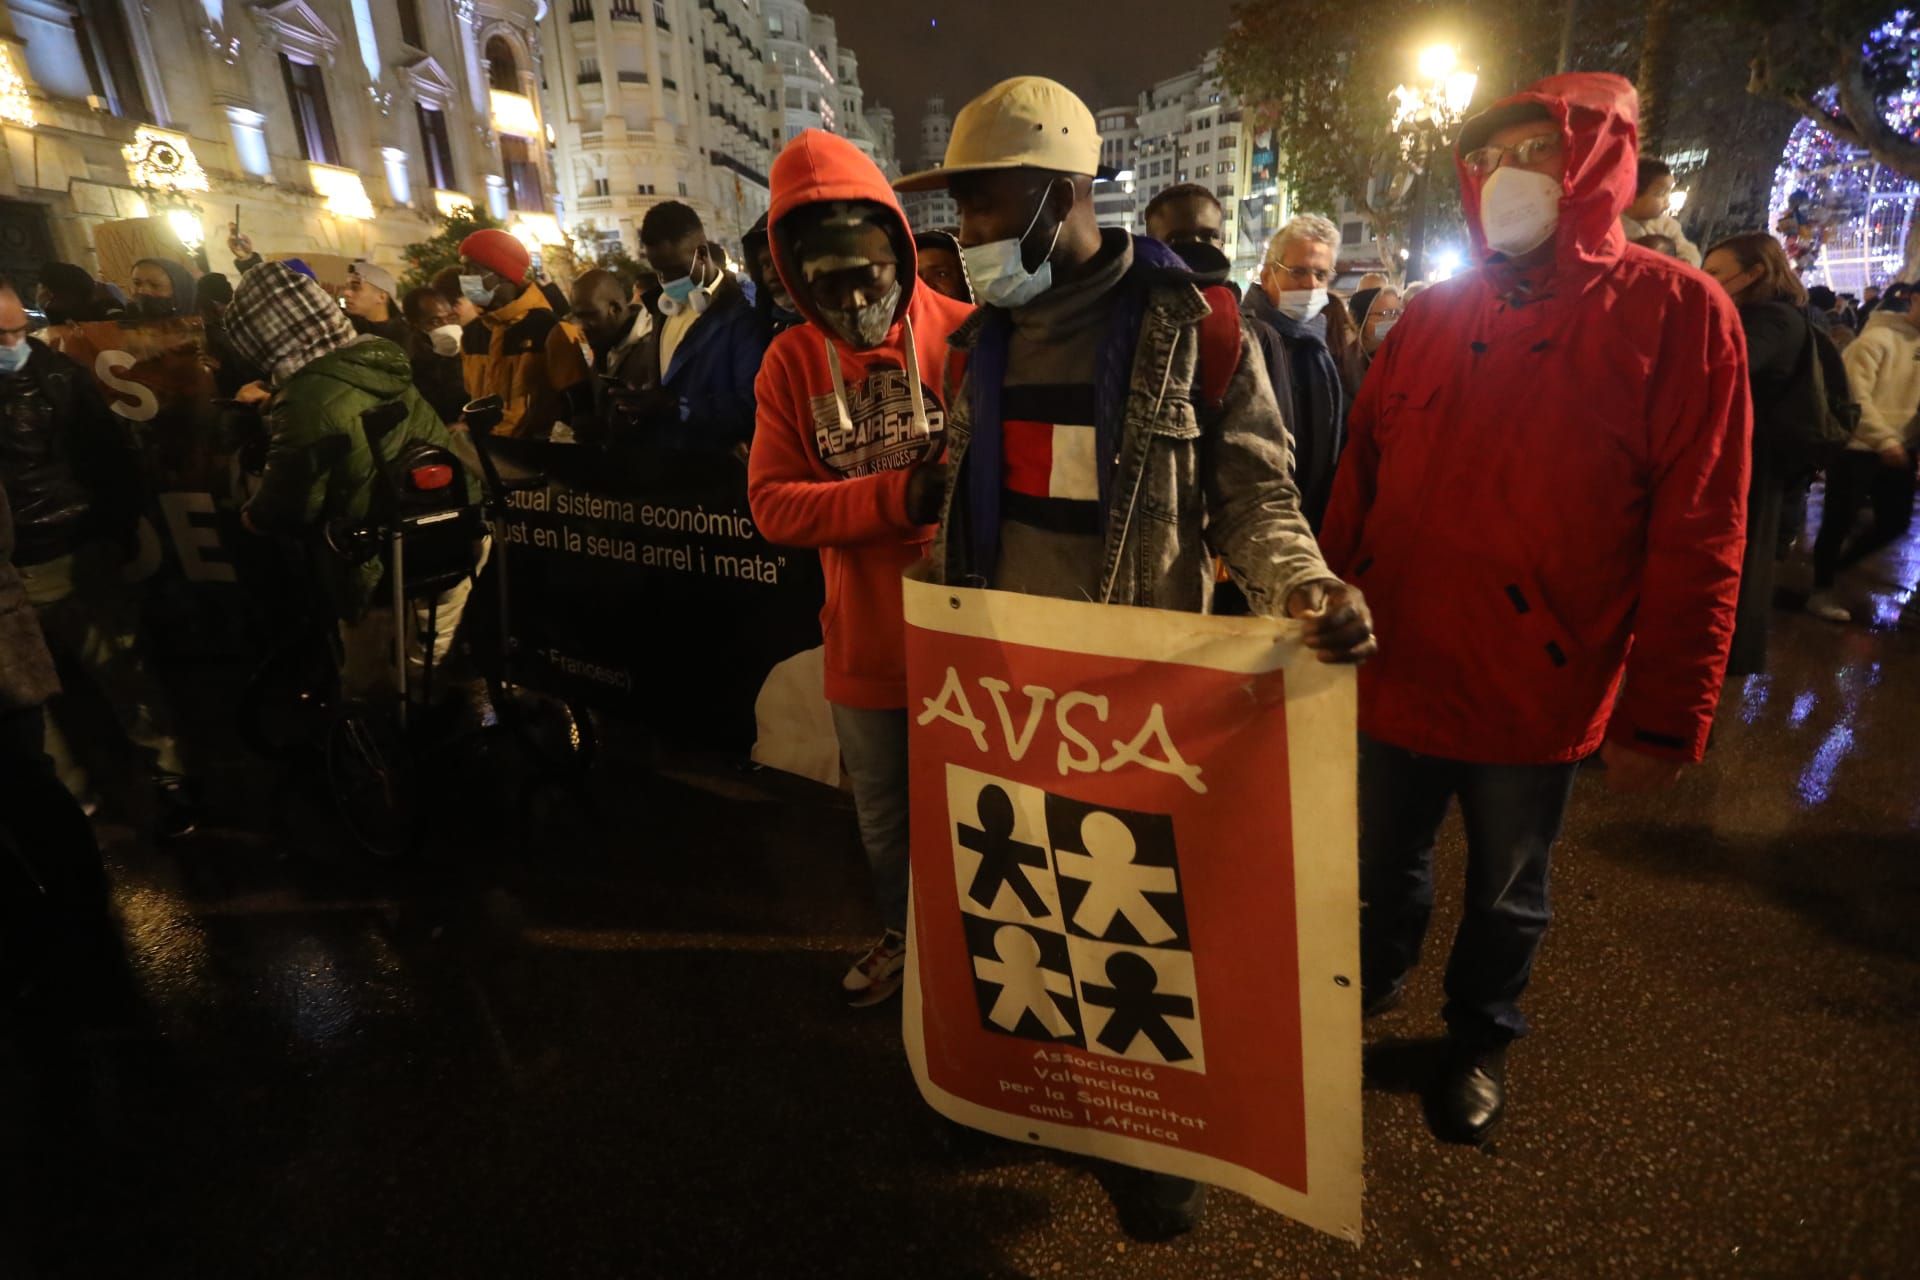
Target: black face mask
(152, 308)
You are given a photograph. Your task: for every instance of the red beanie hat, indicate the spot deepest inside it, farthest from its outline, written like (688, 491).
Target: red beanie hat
(498, 252)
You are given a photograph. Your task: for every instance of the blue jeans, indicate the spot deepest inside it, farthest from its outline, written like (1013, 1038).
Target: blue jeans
(873, 746)
(1512, 815)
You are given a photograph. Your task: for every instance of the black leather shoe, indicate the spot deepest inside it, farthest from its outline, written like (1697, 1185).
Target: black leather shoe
(176, 807)
(1374, 1003)
(1471, 1097)
(1155, 1207)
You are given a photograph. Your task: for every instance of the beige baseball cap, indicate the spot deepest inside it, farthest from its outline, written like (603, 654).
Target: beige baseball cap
(1028, 122)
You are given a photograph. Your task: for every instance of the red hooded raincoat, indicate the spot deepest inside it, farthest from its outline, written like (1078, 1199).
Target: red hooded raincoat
(1540, 497)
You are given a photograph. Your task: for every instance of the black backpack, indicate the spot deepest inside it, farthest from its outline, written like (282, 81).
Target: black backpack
(1824, 420)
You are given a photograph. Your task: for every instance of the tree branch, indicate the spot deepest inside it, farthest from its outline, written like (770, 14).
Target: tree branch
(1870, 128)
(1858, 121)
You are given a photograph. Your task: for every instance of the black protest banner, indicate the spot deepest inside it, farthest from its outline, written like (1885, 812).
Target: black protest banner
(640, 583)
(156, 376)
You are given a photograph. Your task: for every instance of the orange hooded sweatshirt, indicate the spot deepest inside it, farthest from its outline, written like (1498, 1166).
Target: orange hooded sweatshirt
(831, 474)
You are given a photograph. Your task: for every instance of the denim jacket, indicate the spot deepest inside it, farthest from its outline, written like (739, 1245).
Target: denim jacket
(1185, 485)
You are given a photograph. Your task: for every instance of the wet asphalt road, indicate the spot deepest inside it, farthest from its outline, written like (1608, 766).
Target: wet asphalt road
(621, 1053)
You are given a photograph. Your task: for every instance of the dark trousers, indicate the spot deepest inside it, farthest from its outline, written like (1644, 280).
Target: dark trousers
(50, 872)
(1512, 815)
(1857, 479)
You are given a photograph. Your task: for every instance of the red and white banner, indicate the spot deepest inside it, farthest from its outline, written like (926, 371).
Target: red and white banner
(1135, 921)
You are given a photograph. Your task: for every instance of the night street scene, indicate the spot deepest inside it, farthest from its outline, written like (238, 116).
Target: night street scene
(832, 638)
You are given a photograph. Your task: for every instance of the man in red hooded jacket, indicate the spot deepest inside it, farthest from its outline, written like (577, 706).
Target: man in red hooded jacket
(1544, 499)
(846, 452)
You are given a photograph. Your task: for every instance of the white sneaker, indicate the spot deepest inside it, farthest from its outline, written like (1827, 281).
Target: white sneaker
(1822, 605)
(876, 975)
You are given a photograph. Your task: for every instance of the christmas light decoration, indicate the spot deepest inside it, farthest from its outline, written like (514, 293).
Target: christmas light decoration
(1842, 218)
(160, 160)
(16, 106)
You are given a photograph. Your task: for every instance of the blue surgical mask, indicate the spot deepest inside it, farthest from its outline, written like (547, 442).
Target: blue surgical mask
(474, 289)
(14, 358)
(679, 290)
(686, 293)
(998, 272)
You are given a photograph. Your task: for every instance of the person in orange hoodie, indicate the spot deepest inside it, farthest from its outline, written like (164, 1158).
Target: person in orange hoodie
(847, 457)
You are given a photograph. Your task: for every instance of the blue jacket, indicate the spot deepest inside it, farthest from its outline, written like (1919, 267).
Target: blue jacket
(712, 374)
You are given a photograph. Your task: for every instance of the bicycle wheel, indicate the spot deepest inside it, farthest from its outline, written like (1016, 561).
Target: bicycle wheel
(369, 776)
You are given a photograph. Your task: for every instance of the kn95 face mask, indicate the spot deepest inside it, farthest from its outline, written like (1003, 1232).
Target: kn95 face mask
(1519, 210)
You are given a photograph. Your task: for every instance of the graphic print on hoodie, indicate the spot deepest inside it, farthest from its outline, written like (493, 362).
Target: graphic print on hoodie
(879, 433)
(819, 479)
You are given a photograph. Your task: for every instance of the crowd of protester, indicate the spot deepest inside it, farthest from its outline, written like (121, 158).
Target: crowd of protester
(1557, 484)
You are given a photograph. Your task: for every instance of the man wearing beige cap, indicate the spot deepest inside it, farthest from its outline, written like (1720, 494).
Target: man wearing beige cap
(369, 300)
(1115, 430)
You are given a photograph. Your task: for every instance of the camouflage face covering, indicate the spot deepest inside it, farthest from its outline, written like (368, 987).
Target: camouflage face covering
(281, 321)
(842, 235)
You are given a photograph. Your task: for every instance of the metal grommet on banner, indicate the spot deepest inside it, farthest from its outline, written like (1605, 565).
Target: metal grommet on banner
(953, 602)
(1342, 980)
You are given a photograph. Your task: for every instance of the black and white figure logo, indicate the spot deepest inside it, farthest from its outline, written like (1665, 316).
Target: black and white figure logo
(1075, 921)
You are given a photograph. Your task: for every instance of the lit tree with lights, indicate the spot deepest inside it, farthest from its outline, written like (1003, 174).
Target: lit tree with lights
(1845, 193)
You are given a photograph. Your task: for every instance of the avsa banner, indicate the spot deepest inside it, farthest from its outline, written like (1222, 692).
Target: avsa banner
(1135, 923)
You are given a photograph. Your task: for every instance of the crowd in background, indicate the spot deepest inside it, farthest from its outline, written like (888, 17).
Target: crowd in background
(1558, 484)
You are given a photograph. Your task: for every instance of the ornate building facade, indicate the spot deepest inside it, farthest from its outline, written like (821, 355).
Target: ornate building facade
(339, 127)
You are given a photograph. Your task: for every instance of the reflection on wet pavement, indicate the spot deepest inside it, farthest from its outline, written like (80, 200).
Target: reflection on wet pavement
(621, 1053)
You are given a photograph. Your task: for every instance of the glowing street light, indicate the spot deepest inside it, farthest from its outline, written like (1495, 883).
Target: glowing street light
(1425, 114)
(1437, 61)
(1676, 201)
(187, 228)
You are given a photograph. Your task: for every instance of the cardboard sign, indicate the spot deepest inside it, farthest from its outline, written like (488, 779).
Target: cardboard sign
(120, 244)
(1135, 918)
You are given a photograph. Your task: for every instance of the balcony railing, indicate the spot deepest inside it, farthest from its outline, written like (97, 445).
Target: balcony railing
(745, 171)
(582, 11)
(632, 77)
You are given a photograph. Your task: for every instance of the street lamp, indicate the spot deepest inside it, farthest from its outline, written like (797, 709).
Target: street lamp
(1425, 113)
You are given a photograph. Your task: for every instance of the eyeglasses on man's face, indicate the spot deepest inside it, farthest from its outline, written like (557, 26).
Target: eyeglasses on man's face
(1528, 153)
(1305, 277)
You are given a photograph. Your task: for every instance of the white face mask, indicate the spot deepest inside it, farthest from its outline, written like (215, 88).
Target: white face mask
(1301, 305)
(999, 275)
(1380, 330)
(1519, 210)
(445, 339)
